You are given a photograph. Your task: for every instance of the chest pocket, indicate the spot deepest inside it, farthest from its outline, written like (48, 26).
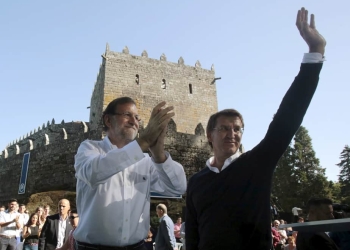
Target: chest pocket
(141, 183)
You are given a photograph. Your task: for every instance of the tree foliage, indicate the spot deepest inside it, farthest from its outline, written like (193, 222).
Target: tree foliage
(298, 175)
(344, 176)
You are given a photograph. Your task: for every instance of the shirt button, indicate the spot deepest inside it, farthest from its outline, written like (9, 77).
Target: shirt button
(124, 238)
(126, 220)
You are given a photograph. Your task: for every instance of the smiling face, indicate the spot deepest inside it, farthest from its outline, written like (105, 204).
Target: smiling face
(34, 219)
(226, 136)
(123, 125)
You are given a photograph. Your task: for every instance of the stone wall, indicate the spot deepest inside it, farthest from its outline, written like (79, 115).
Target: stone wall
(52, 149)
(191, 90)
(51, 165)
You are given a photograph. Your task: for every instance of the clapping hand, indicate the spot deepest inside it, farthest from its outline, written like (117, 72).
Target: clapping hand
(309, 33)
(153, 136)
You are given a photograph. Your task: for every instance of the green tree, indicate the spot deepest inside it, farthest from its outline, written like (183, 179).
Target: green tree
(344, 176)
(335, 190)
(310, 175)
(284, 180)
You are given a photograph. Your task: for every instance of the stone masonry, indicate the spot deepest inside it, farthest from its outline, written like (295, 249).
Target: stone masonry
(191, 90)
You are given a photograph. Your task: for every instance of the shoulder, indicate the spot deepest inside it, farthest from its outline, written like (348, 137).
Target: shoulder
(53, 217)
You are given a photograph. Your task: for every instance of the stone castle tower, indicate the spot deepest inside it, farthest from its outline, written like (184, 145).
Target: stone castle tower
(191, 90)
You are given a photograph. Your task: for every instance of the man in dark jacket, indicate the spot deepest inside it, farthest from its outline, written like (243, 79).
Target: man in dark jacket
(56, 228)
(228, 202)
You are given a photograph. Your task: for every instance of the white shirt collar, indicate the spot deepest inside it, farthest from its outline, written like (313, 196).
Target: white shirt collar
(227, 162)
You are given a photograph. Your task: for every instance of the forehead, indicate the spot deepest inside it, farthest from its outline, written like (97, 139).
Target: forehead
(63, 203)
(326, 208)
(127, 107)
(229, 120)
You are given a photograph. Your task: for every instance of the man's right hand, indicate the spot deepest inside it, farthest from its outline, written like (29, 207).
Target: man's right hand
(158, 121)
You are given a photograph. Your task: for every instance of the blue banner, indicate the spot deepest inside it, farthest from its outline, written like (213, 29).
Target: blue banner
(24, 173)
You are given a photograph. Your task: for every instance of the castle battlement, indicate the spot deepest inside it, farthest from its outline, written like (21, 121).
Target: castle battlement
(111, 55)
(47, 134)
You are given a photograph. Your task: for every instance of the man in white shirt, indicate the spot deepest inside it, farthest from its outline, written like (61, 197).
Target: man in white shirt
(23, 219)
(9, 223)
(115, 177)
(295, 212)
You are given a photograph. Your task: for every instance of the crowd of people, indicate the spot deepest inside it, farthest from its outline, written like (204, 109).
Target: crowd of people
(22, 229)
(227, 202)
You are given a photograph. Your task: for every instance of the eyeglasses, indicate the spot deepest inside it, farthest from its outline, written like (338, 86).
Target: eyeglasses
(73, 217)
(128, 116)
(225, 129)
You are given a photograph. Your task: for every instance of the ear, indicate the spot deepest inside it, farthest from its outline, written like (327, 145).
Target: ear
(107, 120)
(209, 136)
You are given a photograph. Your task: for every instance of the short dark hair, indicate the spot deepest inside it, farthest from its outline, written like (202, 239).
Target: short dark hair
(21, 205)
(74, 211)
(317, 202)
(226, 112)
(13, 200)
(110, 109)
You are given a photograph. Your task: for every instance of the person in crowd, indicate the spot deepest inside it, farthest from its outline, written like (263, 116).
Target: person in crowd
(56, 228)
(233, 192)
(342, 238)
(23, 218)
(318, 209)
(74, 221)
(41, 221)
(165, 239)
(295, 212)
(46, 211)
(31, 233)
(9, 224)
(177, 228)
(150, 239)
(115, 176)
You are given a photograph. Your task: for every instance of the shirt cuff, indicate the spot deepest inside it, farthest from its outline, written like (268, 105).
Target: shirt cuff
(313, 58)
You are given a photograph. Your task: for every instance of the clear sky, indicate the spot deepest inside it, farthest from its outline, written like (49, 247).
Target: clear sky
(51, 51)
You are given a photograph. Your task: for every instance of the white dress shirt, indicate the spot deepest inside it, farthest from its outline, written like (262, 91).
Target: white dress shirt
(62, 224)
(113, 191)
(308, 58)
(11, 229)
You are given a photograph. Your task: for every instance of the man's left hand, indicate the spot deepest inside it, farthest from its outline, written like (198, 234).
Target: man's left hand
(309, 33)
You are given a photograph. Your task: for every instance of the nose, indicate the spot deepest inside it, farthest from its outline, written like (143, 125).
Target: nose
(132, 120)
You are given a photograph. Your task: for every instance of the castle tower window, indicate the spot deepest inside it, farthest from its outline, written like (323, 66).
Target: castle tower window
(163, 84)
(137, 79)
(190, 87)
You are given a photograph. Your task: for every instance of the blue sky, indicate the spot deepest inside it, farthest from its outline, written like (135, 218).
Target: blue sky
(51, 51)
